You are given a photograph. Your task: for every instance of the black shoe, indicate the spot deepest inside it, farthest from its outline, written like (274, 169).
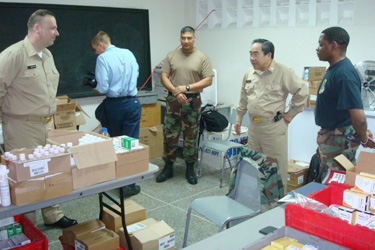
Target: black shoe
(130, 191)
(190, 174)
(166, 173)
(64, 222)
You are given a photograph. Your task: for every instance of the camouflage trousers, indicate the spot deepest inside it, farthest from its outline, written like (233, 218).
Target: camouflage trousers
(270, 184)
(182, 118)
(332, 143)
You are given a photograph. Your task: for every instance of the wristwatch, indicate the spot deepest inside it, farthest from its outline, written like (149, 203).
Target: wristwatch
(187, 87)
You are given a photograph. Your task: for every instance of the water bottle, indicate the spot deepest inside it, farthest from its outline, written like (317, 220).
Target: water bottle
(4, 186)
(306, 74)
(105, 132)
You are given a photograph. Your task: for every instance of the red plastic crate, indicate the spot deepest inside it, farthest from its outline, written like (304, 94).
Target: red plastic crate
(67, 247)
(328, 227)
(38, 239)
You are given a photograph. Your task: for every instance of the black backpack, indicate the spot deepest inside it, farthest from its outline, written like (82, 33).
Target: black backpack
(314, 173)
(211, 120)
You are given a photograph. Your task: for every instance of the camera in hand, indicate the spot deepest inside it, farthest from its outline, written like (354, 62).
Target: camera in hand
(90, 79)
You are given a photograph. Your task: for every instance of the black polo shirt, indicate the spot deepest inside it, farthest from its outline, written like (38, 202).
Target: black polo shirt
(339, 91)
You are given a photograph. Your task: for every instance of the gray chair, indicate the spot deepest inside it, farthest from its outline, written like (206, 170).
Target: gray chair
(242, 203)
(223, 146)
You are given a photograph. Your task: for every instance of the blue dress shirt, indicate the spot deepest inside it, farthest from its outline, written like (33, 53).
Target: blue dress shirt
(117, 72)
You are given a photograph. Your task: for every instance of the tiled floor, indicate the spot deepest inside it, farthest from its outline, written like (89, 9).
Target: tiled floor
(166, 201)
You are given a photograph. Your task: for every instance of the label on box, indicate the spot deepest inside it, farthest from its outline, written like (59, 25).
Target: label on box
(72, 162)
(37, 167)
(167, 242)
(79, 246)
(135, 227)
(300, 180)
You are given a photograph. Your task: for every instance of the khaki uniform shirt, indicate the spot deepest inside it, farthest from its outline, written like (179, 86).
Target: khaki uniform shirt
(264, 94)
(28, 83)
(187, 67)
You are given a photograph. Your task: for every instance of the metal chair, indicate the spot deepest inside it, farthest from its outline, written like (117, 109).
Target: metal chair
(224, 146)
(242, 203)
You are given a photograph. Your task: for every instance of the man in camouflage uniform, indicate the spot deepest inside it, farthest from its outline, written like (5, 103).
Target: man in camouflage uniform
(185, 73)
(339, 109)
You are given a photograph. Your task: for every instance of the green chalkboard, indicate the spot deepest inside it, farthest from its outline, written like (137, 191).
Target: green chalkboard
(128, 28)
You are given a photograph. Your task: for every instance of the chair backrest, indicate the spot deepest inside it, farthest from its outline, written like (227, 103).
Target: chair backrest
(246, 189)
(232, 121)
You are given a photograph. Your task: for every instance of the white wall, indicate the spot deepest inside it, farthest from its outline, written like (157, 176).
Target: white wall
(295, 47)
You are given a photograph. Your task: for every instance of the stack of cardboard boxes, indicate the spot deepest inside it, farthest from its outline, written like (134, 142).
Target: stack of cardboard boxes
(78, 166)
(314, 76)
(109, 233)
(151, 129)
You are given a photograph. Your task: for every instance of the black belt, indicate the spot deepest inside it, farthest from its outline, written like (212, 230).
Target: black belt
(120, 98)
(188, 94)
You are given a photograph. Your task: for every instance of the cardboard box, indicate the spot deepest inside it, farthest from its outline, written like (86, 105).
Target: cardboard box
(86, 155)
(90, 176)
(297, 172)
(91, 163)
(39, 189)
(314, 84)
(98, 240)
(365, 163)
(132, 162)
(71, 233)
(312, 101)
(153, 137)
(68, 113)
(346, 214)
(156, 236)
(133, 213)
(315, 73)
(151, 115)
(365, 183)
(21, 171)
(361, 218)
(313, 91)
(356, 200)
(132, 228)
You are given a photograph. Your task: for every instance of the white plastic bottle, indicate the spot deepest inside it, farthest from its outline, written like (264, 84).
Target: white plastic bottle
(4, 186)
(105, 132)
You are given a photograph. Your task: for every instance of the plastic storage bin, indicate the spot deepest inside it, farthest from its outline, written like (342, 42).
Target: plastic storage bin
(38, 239)
(328, 227)
(296, 234)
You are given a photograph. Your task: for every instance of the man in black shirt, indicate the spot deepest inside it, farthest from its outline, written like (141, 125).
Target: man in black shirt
(339, 109)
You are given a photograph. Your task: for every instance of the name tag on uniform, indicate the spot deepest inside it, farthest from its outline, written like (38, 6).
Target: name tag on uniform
(31, 67)
(248, 81)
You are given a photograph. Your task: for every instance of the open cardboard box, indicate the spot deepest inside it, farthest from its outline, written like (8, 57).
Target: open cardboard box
(21, 171)
(92, 163)
(68, 113)
(365, 163)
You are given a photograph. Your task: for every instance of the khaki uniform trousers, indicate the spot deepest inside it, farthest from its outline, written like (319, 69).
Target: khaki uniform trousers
(29, 134)
(271, 138)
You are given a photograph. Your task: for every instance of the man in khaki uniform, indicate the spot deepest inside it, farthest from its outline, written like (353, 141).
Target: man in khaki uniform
(28, 86)
(264, 91)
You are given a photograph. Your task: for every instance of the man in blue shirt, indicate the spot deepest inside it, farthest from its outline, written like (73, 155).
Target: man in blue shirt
(117, 72)
(339, 109)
